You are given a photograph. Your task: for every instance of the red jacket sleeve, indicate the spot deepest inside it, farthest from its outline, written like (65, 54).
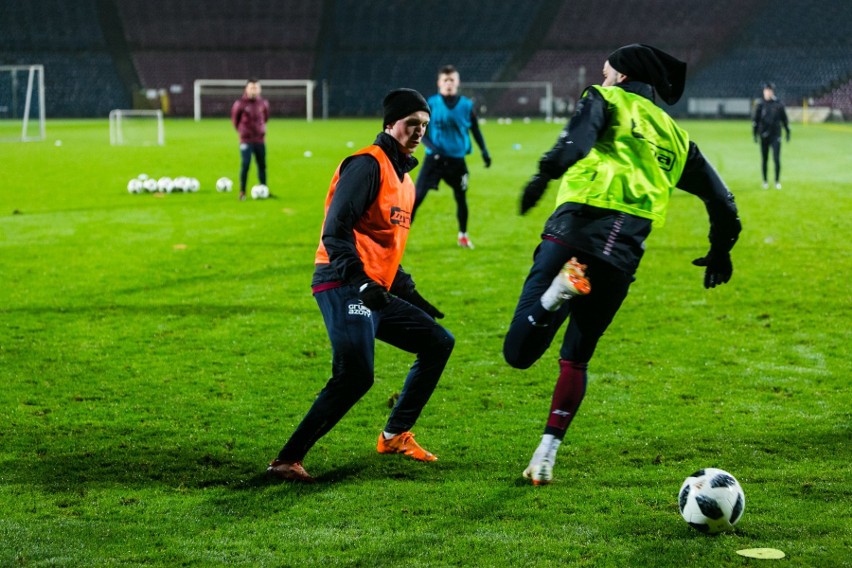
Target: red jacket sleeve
(236, 110)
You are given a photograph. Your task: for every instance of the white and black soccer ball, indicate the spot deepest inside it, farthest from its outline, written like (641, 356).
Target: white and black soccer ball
(711, 500)
(259, 191)
(181, 183)
(134, 186)
(224, 184)
(193, 185)
(166, 184)
(150, 185)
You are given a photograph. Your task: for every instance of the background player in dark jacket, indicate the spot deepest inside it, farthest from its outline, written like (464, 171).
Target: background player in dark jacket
(447, 143)
(364, 294)
(249, 115)
(769, 117)
(619, 157)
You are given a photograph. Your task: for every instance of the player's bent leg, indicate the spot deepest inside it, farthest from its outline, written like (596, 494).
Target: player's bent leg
(410, 329)
(351, 333)
(591, 315)
(533, 327)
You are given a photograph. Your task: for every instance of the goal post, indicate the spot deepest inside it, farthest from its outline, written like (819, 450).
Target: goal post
(136, 128)
(222, 93)
(22, 101)
(511, 98)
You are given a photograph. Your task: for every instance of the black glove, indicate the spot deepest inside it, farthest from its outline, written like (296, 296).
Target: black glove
(788, 136)
(373, 295)
(755, 137)
(487, 157)
(718, 268)
(415, 299)
(533, 191)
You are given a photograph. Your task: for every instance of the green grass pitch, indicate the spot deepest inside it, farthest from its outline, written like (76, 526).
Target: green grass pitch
(156, 352)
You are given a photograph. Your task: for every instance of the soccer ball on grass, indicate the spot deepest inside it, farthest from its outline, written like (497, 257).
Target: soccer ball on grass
(181, 183)
(259, 191)
(134, 186)
(224, 184)
(711, 500)
(166, 184)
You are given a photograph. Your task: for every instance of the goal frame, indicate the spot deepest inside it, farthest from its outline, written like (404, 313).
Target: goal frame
(547, 85)
(116, 138)
(35, 79)
(200, 84)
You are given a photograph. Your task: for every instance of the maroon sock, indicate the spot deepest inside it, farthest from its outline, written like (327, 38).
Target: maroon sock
(567, 396)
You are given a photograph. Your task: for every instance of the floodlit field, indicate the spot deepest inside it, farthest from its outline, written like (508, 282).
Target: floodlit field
(157, 350)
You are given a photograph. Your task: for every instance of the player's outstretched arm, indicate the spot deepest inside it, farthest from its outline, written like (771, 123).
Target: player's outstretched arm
(701, 179)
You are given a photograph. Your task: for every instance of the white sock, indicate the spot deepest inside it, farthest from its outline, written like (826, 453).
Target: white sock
(553, 298)
(388, 435)
(546, 449)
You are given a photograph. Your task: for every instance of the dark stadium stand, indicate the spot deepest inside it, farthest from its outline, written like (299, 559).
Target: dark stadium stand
(839, 99)
(174, 43)
(363, 57)
(65, 37)
(105, 54)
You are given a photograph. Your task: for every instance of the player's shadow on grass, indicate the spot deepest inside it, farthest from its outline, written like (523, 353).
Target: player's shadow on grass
(136, 467)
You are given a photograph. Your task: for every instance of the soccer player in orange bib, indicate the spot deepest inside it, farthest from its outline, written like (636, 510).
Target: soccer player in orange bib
(364, 294)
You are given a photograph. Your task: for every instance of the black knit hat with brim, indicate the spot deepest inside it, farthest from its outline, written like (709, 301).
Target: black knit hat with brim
(650, 65)
(399, 103)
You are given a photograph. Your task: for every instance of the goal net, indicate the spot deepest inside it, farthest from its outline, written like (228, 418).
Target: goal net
(22, 103)
(136, 128)
(287, 97)
(532, 99)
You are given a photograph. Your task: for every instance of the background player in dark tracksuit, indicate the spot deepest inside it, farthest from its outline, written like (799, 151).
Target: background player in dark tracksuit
(249, 114)
(620, 156)
(769, 117)
(447, 143)
(364, 294)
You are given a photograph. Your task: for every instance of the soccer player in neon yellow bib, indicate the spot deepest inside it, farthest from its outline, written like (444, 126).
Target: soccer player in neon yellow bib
(618, 160)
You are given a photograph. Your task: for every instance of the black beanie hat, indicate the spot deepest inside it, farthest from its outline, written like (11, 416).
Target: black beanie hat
(650, 65)
(399, 103)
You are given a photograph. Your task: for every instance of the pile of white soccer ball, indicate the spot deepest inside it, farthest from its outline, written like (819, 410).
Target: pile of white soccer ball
(181, 184)
(224, 185)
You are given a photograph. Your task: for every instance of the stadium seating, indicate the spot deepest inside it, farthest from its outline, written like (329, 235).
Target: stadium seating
(65, 37)
(98, 52)
(362, 58)
(174, 43)
(839, 99)
(803, 47)
(50, 25)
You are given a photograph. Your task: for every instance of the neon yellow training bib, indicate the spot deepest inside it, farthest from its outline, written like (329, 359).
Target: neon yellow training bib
(635, 165)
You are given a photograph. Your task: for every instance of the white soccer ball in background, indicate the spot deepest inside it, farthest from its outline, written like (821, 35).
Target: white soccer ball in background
(259, 191)
(142, 177)
(134, 186)
(181, 183)
(224, 184)
(193, 185)
(711, 500)
(165, 184)
(150, 185)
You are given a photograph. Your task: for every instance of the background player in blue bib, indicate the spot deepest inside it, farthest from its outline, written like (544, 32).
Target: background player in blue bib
(447, 143)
